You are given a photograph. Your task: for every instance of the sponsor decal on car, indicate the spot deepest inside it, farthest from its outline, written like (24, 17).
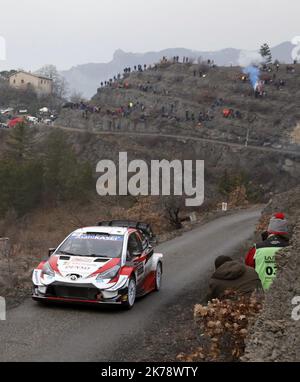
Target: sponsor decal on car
(97, 237)
(82, 265)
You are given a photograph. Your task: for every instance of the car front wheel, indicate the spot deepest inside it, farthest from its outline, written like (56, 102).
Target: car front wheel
(158, 276)
(131, 294)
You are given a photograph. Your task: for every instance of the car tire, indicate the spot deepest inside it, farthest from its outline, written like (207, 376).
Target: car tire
(158, 276)
(131, 294)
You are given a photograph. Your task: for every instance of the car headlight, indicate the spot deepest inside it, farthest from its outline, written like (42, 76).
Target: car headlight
(47, 270)
(110, 274)
(42, 289)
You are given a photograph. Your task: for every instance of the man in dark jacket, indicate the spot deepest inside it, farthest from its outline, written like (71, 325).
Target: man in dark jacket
(234, 276)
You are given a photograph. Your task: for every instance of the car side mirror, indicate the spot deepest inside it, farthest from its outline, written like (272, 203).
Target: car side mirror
(51, 251)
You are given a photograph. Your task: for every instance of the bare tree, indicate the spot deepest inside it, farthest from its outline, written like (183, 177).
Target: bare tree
(173, 206)
(60, 85)
(76, 97)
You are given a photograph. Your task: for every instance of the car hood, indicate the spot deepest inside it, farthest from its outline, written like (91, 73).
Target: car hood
(80, 265)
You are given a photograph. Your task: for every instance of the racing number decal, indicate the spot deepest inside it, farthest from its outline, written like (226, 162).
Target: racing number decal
(270, 268)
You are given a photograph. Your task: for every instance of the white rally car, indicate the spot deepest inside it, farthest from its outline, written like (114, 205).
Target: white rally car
(111, 263)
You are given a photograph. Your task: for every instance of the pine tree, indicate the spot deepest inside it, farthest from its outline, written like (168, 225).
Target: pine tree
(65, 177)
(225, 184)
(266, 53)
(19, 143)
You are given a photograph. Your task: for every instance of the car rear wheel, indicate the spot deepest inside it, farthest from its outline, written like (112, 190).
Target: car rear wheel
(158, 276)
(131, 294)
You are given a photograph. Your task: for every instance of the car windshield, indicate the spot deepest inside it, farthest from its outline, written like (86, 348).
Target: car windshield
(92, 244)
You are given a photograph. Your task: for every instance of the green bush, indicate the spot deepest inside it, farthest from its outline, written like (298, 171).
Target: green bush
(21, 186)
(229, 182)
(20, 142)
(28, 179)
(65, 178)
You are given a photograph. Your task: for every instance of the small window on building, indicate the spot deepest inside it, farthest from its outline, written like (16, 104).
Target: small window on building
(22, 81)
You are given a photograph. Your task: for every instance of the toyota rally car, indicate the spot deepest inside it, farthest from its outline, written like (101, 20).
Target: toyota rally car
(111, 263)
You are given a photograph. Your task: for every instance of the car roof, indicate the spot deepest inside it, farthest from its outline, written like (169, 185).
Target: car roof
(108, 230)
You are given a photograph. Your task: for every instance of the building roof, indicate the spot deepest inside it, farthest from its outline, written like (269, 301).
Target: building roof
(31, 74)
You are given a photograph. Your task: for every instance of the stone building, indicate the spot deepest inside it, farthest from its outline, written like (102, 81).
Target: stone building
(23, 80)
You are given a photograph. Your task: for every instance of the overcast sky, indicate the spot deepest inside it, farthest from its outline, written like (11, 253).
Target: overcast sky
(71, 32)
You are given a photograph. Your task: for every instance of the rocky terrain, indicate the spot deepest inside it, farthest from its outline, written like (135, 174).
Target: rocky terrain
(85, 78)
(162, 96)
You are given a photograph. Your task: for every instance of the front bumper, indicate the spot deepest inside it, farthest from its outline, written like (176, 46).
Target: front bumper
(83, 294)
(75, 300)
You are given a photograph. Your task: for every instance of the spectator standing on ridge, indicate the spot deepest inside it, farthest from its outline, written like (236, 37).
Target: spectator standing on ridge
(262, 256)
(233, 276)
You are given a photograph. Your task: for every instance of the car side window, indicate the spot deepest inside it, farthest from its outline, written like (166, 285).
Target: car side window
(134, 245)
(144, 241)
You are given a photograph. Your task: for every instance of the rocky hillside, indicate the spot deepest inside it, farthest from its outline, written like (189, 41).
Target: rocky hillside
(85, 78)
(191, 98)
(169, 98)
(224, 165)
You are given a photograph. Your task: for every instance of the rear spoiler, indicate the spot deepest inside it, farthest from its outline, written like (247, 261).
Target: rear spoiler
(143, 227)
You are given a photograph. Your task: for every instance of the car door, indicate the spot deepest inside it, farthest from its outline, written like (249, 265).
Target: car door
(138, 261)
(148, 252)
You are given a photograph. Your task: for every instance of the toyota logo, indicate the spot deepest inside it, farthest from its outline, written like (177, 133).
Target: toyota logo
(73, 277)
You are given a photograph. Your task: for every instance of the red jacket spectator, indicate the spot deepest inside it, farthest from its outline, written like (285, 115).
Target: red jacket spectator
(250, 257)
(277, 232)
